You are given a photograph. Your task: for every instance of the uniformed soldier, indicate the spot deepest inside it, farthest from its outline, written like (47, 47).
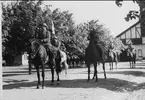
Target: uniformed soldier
(43, 34)
(131, 47)
(111, 47)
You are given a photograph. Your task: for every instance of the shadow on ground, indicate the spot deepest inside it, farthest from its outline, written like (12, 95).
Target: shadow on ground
(7, 75)
(16, 73)
(111, 84)
(134, 73)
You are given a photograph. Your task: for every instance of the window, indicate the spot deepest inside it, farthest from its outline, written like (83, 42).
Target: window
(140, 53)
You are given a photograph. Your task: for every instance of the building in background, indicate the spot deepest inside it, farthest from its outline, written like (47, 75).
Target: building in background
(133, 34)
(136, 35)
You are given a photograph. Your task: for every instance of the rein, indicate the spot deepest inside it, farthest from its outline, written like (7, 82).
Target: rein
(34, 55)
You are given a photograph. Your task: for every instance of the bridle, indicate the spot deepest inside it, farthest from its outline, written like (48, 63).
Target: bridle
(35, 51)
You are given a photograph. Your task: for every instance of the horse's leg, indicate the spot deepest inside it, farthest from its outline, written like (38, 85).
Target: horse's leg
(52, 73)
(66, 66)
(130, 63)
(58, 80)
(112, 64)
(104, 69)
(43, 74)
(134, 62)
(95, 69)
(116, 61)
(116, 64)
(38, 76)
(94, 73)
(88, 65)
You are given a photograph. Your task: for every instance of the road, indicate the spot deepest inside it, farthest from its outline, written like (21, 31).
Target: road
(121, 84)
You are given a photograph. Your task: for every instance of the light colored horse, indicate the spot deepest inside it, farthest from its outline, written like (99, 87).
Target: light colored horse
(64, 60)
(112, 57)
(131, 57)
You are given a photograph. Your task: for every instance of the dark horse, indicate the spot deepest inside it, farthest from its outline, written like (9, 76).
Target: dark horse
(40, 57)
(93, 55)
(112, 57)
(131, 55)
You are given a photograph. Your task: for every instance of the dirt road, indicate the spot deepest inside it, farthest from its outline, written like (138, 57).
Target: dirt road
(121, 84)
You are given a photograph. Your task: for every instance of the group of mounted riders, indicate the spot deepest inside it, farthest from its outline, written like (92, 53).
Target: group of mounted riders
(46, 35)
(55, 51)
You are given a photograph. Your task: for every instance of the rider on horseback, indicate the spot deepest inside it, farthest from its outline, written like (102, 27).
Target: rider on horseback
(131, 47)
(111, 46)
(59, 46)
(44, 36)
(44, 33)
(111, 49)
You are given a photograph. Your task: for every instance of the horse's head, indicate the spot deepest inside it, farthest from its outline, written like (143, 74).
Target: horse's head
(93, 36)
(34, 45)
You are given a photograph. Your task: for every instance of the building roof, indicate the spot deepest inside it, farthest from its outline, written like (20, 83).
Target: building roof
(127, 29)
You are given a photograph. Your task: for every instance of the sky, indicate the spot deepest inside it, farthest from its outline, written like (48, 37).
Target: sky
(107, 12)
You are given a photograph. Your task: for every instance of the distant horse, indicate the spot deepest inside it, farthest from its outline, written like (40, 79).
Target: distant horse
(112, 57)
(131, 58)
(94, 54)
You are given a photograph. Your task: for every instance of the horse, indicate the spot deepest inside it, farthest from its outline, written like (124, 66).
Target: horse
(63, 61)
(40, 57)
(131, 55)
(112, 57)
(94, 54)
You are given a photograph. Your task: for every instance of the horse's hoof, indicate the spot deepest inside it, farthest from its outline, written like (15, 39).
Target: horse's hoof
(58, 82)
(37, 87)
(42, 86)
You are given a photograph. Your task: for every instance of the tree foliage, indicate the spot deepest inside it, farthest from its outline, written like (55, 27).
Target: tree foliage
(133, 14)
(21, 19)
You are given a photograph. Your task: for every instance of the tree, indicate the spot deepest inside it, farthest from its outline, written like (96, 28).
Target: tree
(136, 14)
(64, 27)
(104, 35)
(22, 18)
(19, 23)
(133, 14)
